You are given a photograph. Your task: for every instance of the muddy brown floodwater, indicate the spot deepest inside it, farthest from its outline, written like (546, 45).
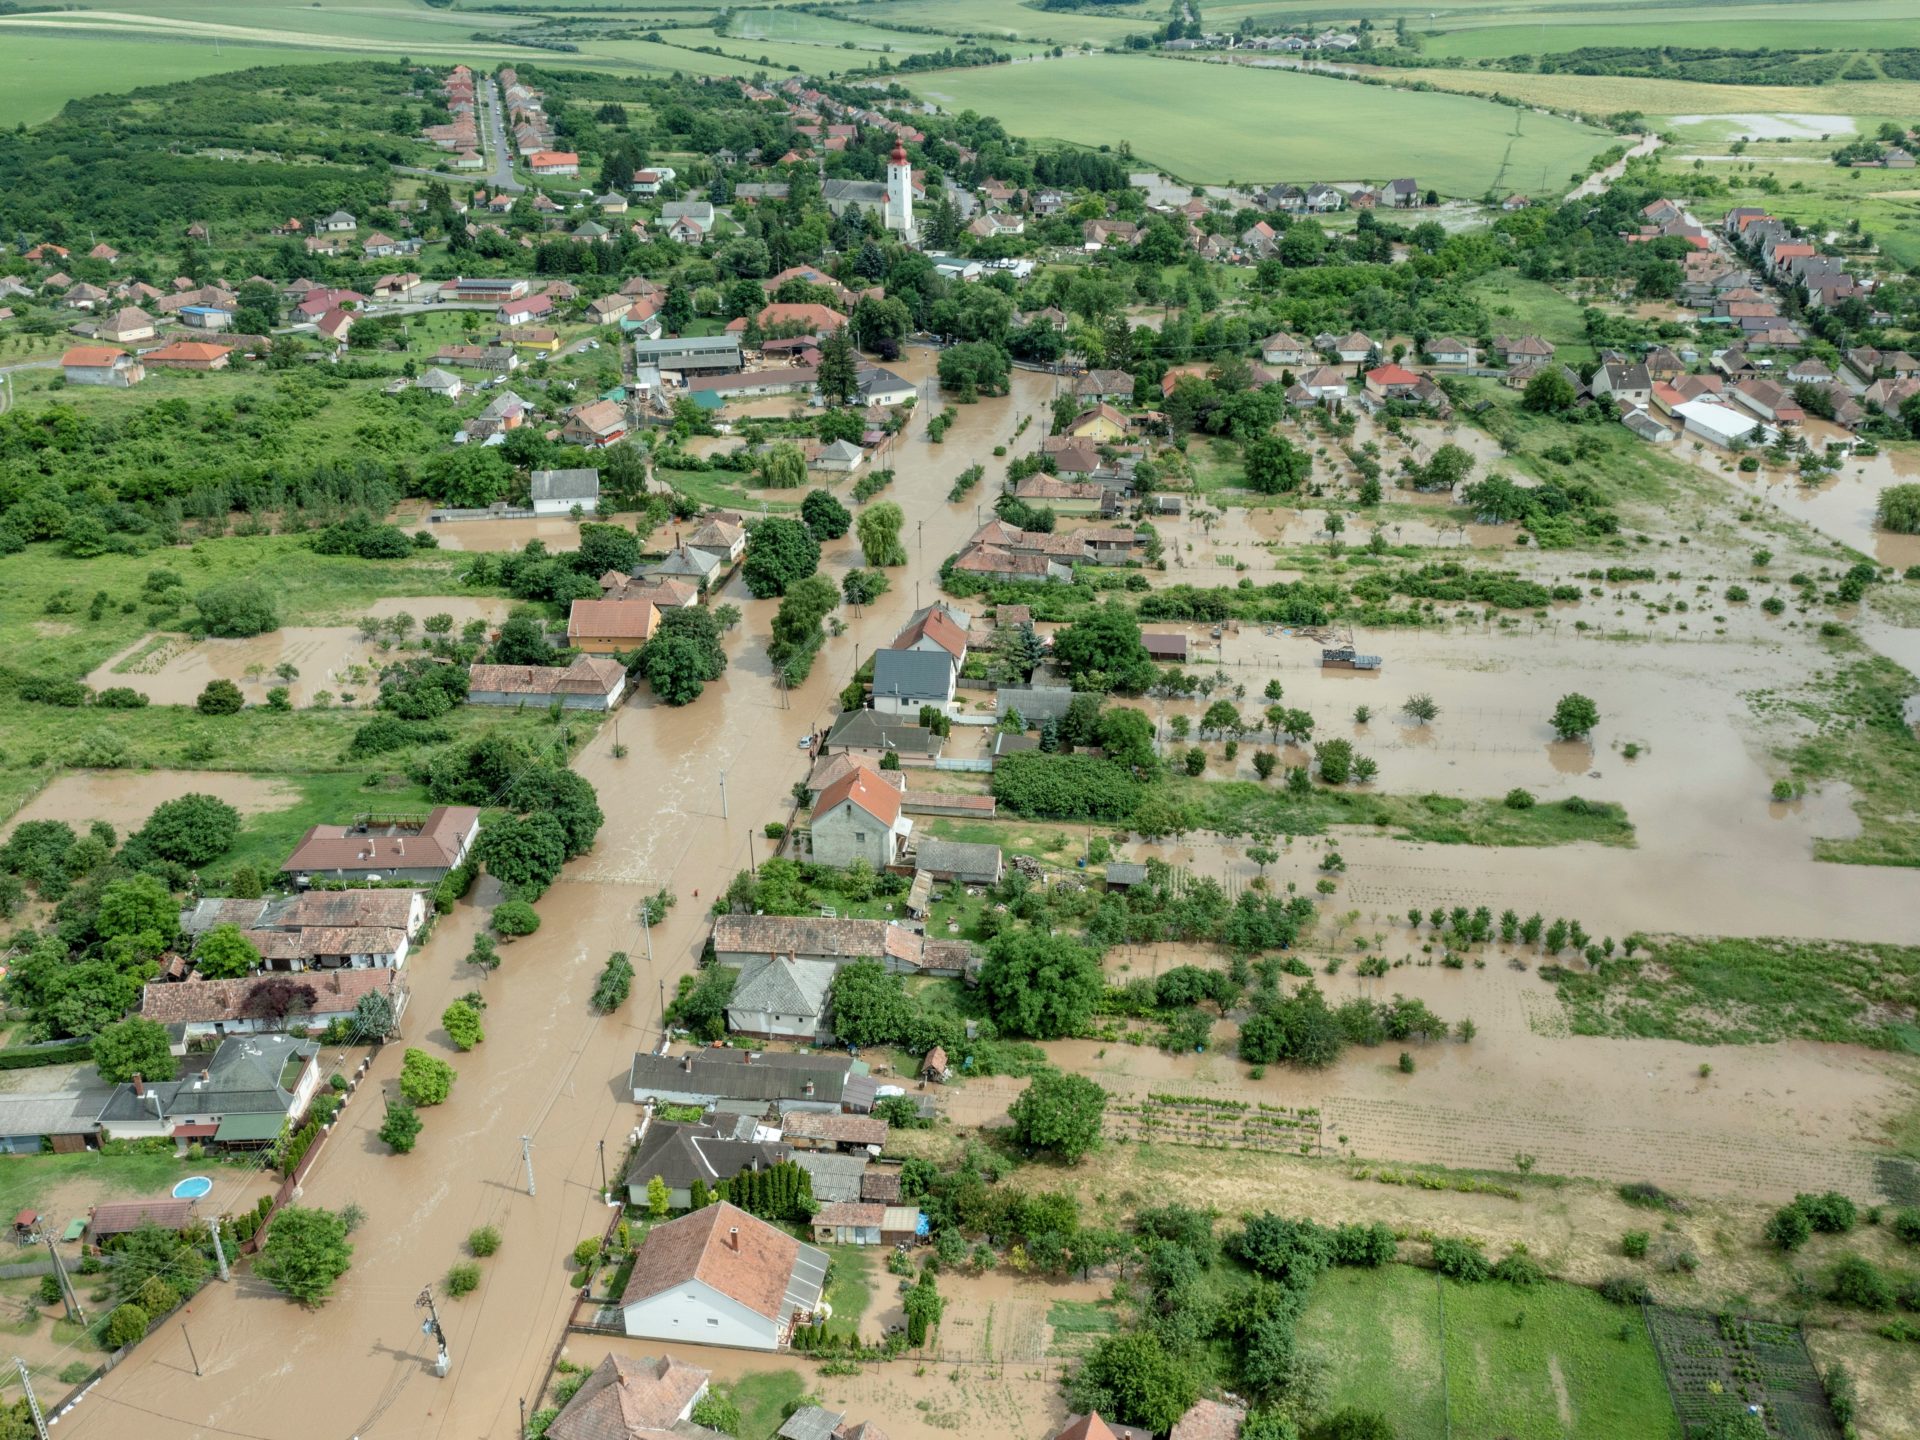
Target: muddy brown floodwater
(549, 1068)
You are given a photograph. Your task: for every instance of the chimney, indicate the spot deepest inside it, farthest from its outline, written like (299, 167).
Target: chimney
(807, 1089)
(205, 1076)
(686, 1062)
(733, 1236)
(139, 1084)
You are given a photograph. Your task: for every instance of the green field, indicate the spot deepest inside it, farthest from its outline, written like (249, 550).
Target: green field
(1234, 124)
(1562, 1371)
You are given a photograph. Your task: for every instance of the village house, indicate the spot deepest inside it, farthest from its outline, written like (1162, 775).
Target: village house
(628, 1399)
(189, 355)
(591, 682)
(124, 326)
(525, 310)
(554, 162)
(1391, 382)
(101, 365)
(196, 1009)
(905, 680)
(611, 627)
(751, 1080)
(1354, 349)
(243, 1096)
(782, 998)
(858, 817)
(1284, 349)
(423, 850)
(681, 1152)
(719, 1276)
(560, 492)
(1447, 350)
(1513, 349)
(1630, 383)
(869, 735)
(594, 425)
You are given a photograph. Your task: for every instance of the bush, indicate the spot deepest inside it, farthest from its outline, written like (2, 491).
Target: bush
(1633, 1244)
(1858, 1282)
(1906, 1224)
(514, 918)
(586, 1252)
(1789, 1228)
(716, 1411)
(1518, 799)
(127, 1325)
(1520, 1268)
(463, 1279)
(1461, 1260)
(1625, 1290)
(1830, 1213)
(483, 1242)
(401, 1127)
(220, 697)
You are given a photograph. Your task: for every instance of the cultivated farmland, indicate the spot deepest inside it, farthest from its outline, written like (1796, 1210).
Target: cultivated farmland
(1236, 124)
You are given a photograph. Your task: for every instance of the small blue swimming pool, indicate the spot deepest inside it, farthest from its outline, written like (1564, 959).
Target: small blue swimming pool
(194, 1187)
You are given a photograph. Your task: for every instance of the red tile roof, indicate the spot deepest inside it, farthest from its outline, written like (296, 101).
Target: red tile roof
(743, 1258)
(865, 789)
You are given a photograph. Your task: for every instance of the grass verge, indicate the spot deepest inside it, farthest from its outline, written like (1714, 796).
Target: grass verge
(1865, 741)
(1241, 807)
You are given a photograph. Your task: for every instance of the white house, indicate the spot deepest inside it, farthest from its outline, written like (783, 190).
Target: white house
(556, 492)
(1721, 424)
(719, 1276)
(1284, 349)
(782, 998)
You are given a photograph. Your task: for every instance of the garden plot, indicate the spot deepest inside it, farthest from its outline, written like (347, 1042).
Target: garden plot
(1716, 1364)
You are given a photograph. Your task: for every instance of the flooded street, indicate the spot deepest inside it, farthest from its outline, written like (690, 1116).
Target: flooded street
(549, 1068)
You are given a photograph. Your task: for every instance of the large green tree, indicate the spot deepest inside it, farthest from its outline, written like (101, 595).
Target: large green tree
(1061, 1113)
(225, 953)
(1043, 986)
(1275, 465)
(133, 1047)
(779, 552)
(1140, 1381)
(867, 1004)
(838, 376)
(523, 852)
(825, 516)
(191, 829)
(1104, 651)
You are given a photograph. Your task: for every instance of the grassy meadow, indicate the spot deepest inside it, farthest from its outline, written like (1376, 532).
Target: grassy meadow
(1230, 123)
(1427, 1351)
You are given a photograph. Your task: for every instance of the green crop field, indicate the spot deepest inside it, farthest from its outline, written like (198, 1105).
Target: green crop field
(1011, 19)
(1231, 123)
(815, 30)
(1564, 1370)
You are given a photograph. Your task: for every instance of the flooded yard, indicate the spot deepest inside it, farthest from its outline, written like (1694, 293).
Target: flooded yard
(308, 659)
(124, 798)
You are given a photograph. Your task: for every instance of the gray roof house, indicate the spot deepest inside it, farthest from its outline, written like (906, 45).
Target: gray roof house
(835, 1177)
(782, 998)
(246, 1093)
(869, 732)
(952, 860)
(904, 680)
(556, 492)
(750, 1080)
(680, 1154)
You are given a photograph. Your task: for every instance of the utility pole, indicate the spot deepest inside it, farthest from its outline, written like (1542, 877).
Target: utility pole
(723, 794)
(219, 1250)
(190, 1355)
(526, 1153)
(431, 1326)
(72, 1301)
(603, 1166)
(33, 1401)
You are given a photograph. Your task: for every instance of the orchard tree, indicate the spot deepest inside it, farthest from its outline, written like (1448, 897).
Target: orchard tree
(1061, 1113)
(1575, 716)
(220, 697)
(134, 1046)
(1421, 708)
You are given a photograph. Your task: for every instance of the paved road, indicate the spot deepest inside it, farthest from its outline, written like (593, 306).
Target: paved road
(493, 134)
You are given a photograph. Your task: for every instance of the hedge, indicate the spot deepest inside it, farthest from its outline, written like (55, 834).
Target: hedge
(28, 1057)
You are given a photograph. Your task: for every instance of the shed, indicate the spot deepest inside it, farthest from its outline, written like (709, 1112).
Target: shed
(951, 860)
(1165, 647)
(128, 1216)
(556, 492)
(1124, 875)
(1346, 658)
